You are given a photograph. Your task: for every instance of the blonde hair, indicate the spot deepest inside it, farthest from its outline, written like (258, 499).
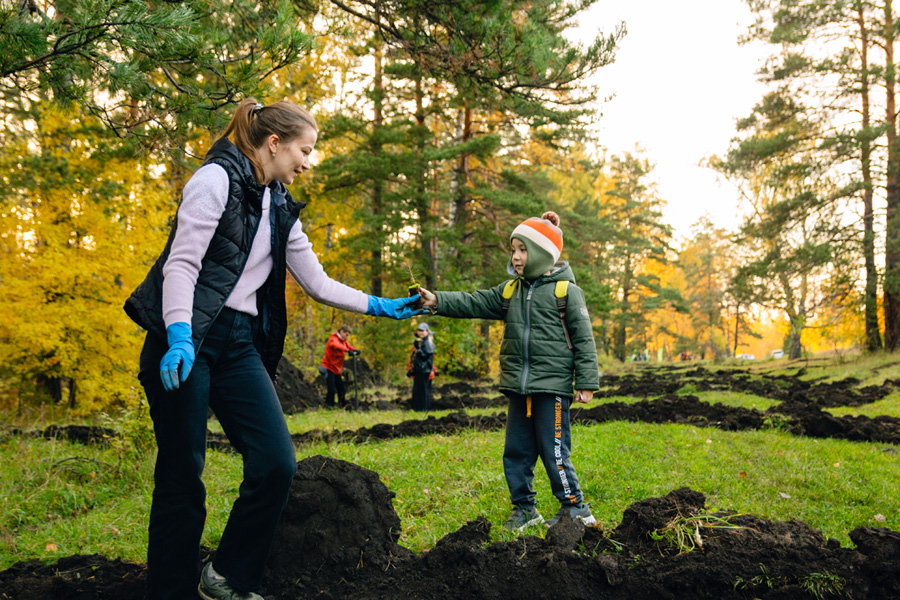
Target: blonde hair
(252, 123)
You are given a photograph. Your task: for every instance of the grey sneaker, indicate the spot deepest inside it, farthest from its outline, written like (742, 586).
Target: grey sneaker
(583, 513)
(220, 590)
(522, 517)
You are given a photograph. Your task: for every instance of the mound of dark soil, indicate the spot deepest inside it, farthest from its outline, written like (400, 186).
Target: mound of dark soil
(659, 382)
(462, 394)
(82, 434)
(294, 392)
(339, 540)
(673, 409)
(452, 423)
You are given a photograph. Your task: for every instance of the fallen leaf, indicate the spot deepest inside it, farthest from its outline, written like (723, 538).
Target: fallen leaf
(51, 548)
(742, 475)
(837, 464)
(880, 518)
(709, 441)
(785, 496)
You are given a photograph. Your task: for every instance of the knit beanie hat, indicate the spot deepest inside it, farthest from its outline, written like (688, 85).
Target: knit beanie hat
(423, 327)
(543, 240)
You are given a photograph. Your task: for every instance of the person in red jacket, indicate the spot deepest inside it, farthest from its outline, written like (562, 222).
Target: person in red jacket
(333, 363)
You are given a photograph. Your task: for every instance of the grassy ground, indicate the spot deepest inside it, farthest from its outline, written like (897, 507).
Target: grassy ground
(59, 498)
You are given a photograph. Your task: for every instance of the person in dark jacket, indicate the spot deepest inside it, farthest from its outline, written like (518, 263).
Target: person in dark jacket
(547, 359)
(214, 309)
(421, 367)
(337, 346)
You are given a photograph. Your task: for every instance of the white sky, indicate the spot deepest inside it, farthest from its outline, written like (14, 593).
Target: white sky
(680, 81)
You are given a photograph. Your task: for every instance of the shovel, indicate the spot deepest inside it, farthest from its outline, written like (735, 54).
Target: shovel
(355, 386)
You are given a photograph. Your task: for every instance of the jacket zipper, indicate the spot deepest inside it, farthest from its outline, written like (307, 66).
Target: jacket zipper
(527, 334)
(241, 272)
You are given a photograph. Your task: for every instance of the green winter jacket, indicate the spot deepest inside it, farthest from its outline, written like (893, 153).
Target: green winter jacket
(534, 356)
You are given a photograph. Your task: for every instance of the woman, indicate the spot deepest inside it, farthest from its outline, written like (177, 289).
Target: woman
(214, 309)
(421, 367)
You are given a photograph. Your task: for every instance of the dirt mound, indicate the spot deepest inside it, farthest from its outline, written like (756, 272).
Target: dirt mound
(450, 424)
(341, 510)
(674, 409)
(810, 420)
(294, 392)
(659, 382)
(339, 538)
(75, 577)
(462, 394)
(82, 434)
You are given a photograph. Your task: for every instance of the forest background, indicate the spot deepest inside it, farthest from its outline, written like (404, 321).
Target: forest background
(442, 126)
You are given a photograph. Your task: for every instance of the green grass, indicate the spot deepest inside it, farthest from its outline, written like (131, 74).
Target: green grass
(736, 399)
(443, 481)
(888, 406)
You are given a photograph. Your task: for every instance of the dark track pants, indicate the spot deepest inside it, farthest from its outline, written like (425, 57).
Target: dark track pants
(545, 434)
(229, 377)
(334, 384)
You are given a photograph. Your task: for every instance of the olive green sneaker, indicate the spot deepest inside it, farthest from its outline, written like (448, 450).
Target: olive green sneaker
(583, 513)
(522, 517)
(212, 588)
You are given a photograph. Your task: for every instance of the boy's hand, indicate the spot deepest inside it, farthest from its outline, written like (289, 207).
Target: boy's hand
(584, 396)
(429, 300)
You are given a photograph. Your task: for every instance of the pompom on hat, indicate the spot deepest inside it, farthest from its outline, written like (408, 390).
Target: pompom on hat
(543, 240)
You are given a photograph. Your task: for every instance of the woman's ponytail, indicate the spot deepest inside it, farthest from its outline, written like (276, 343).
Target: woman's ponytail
(253, 123)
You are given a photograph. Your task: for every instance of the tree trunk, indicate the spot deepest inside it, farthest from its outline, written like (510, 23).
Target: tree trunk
(892, 221)
(377, 266)
(737, 324)
(873, 335)
(426, 229)
(460, 183)
(621, 335)
(796, 347)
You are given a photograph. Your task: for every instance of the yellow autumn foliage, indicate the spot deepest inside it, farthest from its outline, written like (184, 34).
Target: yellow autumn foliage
(81, 219)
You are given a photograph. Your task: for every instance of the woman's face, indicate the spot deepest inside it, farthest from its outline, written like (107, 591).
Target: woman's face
(291, 158)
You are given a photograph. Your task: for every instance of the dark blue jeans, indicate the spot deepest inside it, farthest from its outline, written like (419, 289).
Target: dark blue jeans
(229, 377)
(545, 434)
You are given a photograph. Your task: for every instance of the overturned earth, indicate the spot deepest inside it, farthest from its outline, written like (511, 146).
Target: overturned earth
(339, 539)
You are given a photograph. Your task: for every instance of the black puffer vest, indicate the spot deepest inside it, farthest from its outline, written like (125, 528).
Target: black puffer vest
(225, 258)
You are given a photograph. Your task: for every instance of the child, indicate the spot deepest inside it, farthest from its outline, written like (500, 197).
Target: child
(421, 367)
(540, 359)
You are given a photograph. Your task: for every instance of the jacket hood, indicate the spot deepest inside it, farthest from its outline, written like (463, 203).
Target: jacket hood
(561, 271)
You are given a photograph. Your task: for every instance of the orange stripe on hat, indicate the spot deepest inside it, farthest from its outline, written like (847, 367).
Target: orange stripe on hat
(545, 230)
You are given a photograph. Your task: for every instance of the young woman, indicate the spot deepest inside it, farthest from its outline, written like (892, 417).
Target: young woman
(214, 310)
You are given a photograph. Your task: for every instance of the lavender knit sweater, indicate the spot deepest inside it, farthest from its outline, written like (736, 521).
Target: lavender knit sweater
(203, 201)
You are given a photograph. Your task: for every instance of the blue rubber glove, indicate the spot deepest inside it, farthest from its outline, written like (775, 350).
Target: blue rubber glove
(178, 360)
(395, 308)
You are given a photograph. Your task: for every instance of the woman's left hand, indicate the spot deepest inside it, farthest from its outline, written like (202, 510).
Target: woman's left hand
(394, 308)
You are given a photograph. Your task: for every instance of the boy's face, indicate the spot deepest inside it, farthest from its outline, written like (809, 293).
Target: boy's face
(519, 255)
(421, 333)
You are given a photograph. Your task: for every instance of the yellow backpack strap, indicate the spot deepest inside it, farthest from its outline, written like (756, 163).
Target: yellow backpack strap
(562, 296)
(508, 291)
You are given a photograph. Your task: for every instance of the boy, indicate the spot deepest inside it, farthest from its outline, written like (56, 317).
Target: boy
(546, 348)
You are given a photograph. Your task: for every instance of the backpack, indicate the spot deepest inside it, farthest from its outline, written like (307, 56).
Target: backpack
(561, 292)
